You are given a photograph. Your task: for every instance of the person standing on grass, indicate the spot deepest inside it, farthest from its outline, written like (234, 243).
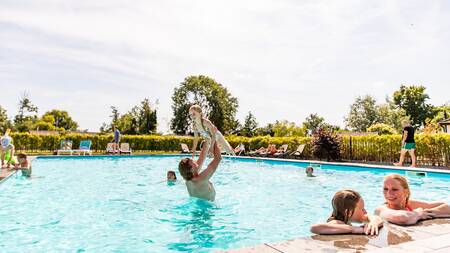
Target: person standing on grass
(116, 139)
(408, 144)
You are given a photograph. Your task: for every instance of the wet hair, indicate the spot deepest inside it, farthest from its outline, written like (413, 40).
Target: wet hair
(309, 167)
(344, 204)
(22, 156)
(171, 172)
(185, 169)
(403, 182)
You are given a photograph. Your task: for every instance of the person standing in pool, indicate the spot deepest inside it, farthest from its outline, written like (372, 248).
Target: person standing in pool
(197, 183)
(116, 139)
(408, 144)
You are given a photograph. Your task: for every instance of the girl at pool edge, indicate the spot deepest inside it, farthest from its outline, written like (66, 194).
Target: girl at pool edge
(348, 206)
(402, 210)
(208, 131)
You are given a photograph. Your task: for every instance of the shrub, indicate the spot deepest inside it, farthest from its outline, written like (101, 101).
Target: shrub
(381, 129)
(326, 145)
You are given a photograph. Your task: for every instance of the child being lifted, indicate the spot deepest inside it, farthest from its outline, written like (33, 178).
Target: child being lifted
(208, 131)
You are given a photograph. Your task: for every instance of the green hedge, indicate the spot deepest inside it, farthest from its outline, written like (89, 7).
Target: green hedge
(26, 141)
(432, 149)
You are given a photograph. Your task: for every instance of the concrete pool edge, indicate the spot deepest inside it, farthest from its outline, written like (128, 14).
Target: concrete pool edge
(427, 236)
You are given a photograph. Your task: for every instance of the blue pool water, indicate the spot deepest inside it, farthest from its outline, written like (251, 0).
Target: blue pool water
(112, 204)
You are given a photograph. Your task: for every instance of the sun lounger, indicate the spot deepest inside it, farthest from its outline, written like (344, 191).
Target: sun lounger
(65, 147)
(125, 148)
(299, 152)
(110, 148)
(239, 149)
(282, 151)
(185, 148)
(85, 148)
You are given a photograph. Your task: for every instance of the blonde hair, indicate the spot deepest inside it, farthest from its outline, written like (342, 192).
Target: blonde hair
(344, 204)
(196, 108)
(406, 122)
(403, 182)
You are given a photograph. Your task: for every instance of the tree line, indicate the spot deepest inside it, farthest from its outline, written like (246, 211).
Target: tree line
(220, 106)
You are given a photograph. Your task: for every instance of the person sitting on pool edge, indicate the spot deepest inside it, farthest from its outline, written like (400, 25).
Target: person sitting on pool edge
(402, 210)
(348, 206)
(309, 171)
(197, 183)
(171, 176)
(24, 165)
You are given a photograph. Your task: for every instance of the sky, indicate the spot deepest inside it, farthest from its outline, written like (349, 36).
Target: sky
(282, 59)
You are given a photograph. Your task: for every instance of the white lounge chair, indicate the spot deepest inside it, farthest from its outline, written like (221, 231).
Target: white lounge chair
(184, 148)
(239, 149)
(110, 148)
(125, 148)
(85, 148)
(65, 147)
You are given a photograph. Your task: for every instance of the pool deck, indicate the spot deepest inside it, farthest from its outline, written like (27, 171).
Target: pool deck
(427, 236)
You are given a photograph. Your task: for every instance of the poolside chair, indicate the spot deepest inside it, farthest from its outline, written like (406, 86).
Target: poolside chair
(125, 148)
(65, 147)
(185, 148)
(298, 153)
(282, 151)
(239, 149)
(85, 148)
(110, 148)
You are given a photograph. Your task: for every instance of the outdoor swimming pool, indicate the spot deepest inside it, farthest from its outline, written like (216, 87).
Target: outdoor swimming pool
(123, 204)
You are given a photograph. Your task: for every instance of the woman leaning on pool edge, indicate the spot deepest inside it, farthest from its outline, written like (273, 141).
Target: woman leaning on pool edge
(402, 210)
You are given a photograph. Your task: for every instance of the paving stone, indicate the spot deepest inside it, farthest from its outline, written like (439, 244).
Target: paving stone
(321, 243)
(434, 226)
(263, 248)
(392, 234)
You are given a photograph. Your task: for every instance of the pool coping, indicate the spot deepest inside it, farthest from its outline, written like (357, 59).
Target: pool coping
(427, 236)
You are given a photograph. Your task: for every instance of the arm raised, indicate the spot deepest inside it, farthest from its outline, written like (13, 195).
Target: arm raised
(212, 166)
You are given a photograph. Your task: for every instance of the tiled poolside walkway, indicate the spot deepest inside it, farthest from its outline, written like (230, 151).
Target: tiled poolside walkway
(4, 173)
(427, 236)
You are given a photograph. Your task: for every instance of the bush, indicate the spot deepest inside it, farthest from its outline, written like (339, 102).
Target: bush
(326, 145)
(381, 129)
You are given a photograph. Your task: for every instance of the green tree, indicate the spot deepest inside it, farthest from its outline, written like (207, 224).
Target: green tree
(250, 125)
(61, 119)
(313, 123)
(5, 123)
(140, 119)
(266, 130)
(391, 115)
(217, 104)
(287, 129)
(413, 100)
(27, 114)
(381, 128)
(147, 120)
(363, 113)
